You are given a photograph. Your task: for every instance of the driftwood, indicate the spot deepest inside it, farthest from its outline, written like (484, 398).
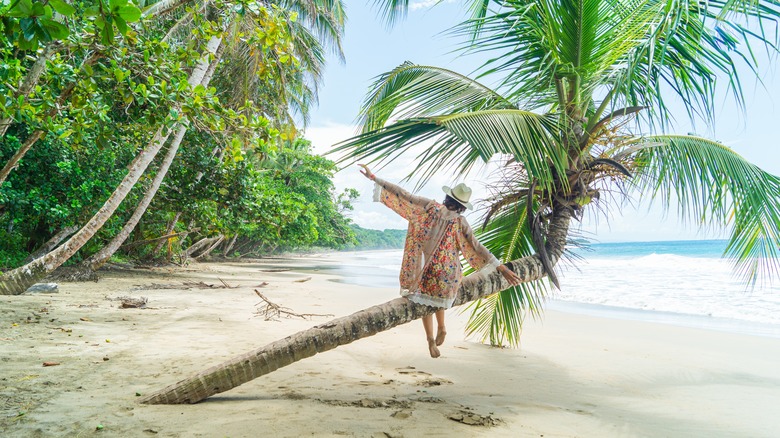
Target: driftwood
(187, 285)
(132, 303)
(226, 251)
(271, 311)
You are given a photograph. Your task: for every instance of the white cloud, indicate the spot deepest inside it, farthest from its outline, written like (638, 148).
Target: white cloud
(426, 4)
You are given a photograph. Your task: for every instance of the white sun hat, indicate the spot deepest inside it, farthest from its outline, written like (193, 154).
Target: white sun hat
(460, 193)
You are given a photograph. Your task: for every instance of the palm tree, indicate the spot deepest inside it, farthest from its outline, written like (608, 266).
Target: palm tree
(572, 72)
(18, 280)
(243, 64)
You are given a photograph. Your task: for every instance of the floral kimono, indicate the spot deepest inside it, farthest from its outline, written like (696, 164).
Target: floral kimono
(431, 271)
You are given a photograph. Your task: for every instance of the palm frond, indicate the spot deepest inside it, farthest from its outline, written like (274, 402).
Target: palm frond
(714, 186)
(499, 317)
(325, 18)
(460, 140)
(412, 90)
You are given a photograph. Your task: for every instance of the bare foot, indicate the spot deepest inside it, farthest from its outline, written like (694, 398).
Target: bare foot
(432, 348)
(441, 333)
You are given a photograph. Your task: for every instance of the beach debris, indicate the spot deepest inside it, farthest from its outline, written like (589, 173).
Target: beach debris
(387, 435)
(401, 415)
(430, 399)
(371, 403)
(126, 302)
(43, 288)
(263, 284)
(276, 270)
(434, 382)
(271, 311)
(185, 285)
(474, 419)
(302, 280)
(51, 364)
(227, 286)
(151, 431)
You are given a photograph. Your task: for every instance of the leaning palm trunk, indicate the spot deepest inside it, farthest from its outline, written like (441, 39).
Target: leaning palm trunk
(52, 243)
(97, 260)
(92, 264)
(19, 154)
(345, 330)
(31, 79)
(18, 280)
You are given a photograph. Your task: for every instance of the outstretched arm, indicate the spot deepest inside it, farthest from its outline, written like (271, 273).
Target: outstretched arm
(480, 257)
(399, 200)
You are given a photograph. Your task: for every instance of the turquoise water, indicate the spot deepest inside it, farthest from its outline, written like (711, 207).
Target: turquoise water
(687, 248)
(654, 280)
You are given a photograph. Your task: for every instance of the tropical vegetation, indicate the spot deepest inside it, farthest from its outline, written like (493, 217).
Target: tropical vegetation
(161, 130)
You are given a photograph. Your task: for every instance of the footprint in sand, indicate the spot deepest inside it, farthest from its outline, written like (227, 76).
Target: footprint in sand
(411, 371)
(427, 379)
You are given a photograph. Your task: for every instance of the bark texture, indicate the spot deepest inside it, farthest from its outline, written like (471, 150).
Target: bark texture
(52, 243)
(342, 331)
(20, 153)
(101, 257)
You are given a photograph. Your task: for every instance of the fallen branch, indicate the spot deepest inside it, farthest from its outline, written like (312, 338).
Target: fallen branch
(272, 311)
(132, 303)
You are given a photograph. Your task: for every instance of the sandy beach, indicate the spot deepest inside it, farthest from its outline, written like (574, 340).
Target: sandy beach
(575, 375)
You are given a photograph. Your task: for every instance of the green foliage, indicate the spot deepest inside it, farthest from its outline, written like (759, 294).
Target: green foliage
(376, 239)
(101, 98)
(29, 23)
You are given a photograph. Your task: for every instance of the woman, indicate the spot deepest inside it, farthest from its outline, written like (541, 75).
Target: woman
(430, 271)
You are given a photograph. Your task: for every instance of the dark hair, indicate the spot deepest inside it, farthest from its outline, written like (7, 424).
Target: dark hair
(453, 205)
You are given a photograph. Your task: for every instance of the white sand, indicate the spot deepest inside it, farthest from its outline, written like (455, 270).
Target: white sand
(575, 376)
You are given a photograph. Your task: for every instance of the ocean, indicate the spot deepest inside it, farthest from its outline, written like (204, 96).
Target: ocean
(679, 282)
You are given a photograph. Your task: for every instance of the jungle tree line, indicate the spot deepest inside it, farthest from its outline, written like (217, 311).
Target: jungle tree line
(164, 129)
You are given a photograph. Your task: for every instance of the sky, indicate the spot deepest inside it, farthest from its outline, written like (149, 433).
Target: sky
(371, 48)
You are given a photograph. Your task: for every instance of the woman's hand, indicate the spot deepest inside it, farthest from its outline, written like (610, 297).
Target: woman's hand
(367, 172)
(510, 276)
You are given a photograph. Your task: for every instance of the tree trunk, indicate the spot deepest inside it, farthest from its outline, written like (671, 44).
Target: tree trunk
(342, 331)
(220, 238)
(168, 231)
(229, 246)
(52, 243)
(31, 79)
(18, 280)
(101, 257)
(12, 163)
(196, 246)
